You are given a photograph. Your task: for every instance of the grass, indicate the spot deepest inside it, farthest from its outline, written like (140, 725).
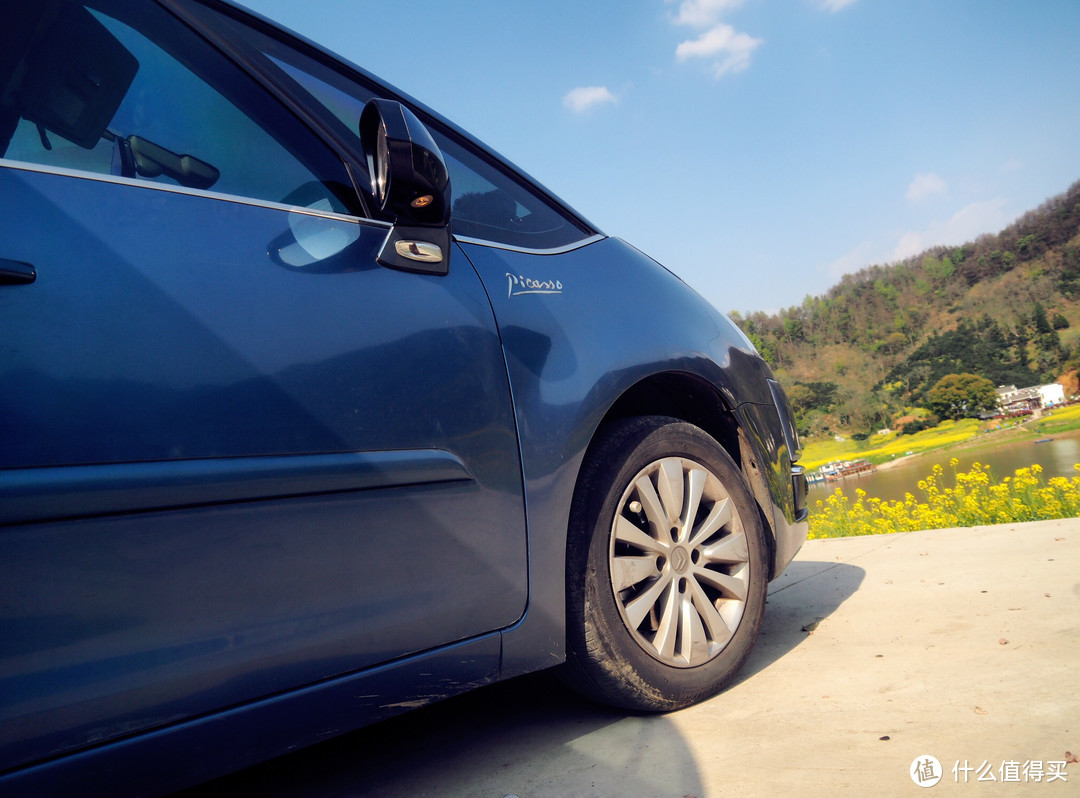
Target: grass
(1065, 419)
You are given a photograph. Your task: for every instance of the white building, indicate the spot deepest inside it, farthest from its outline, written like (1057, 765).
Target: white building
(1012, 399)
(1052, 394)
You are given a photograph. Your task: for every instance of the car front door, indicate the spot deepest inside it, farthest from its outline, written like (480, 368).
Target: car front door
(237, 456)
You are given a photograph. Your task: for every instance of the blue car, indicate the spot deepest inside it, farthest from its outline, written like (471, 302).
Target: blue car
(314, 410)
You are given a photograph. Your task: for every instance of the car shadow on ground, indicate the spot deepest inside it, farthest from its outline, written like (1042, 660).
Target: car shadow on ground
(520, 738)
(806, 593)
(532, 736)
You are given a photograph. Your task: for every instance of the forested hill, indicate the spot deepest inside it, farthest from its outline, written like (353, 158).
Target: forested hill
(1005, 307)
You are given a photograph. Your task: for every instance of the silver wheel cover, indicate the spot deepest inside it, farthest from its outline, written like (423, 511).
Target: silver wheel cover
(679, 562)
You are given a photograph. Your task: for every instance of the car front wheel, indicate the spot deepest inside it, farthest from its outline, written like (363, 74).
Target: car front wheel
(666, 567)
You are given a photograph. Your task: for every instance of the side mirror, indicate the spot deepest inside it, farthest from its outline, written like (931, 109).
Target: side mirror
(410, 183)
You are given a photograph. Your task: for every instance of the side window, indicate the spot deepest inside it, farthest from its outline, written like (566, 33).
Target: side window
(488, 202)
(120, 87)
(490, 206)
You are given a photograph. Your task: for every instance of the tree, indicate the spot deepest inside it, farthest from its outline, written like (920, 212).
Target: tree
(961, 396)
(793, 329)
(764, 348)
(1038, 318)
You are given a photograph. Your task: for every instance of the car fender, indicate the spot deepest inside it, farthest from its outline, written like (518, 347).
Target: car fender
(582, 330)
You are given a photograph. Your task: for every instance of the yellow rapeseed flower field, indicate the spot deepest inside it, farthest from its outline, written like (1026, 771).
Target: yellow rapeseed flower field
(882, 448)
(975, 499)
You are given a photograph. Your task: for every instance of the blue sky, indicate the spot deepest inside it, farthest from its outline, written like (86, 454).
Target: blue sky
(759, 148)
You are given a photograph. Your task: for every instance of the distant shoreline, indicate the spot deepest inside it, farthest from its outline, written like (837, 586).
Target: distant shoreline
(1049, 426)
(992, 440)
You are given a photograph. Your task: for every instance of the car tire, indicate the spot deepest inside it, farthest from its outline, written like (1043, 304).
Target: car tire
(666, 567)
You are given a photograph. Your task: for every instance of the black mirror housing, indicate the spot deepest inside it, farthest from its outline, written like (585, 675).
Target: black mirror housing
(411, 184)
(409, 179)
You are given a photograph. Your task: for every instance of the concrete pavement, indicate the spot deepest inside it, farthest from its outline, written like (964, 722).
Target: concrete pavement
(876, 654)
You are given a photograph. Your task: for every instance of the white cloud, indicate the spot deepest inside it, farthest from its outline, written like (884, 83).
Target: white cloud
(702, 13)
(966, 225)
(850, 263)
(836, 5)
(925, 186)
(583, 98)
(731, 48)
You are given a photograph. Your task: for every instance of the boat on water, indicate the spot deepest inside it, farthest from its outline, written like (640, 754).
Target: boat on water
(831, 472)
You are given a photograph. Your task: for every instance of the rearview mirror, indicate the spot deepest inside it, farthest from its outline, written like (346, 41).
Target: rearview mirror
(410, 183)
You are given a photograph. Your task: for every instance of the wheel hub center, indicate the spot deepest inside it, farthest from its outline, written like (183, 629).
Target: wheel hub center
(680, 559)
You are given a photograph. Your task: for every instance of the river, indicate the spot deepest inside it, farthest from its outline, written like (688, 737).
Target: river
(1057, 457)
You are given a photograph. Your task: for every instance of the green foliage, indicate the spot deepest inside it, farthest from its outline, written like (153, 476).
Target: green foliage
(1048, 351)
(919, 424)
(939, 270)
(812, 402)
(946, 311)
(816, 395)
(981, 347)
(766, 349)
(1028, 245)
(1068, 282)
(793, 328)
(887, 291)
(1042, 324)
(893, 342)
(959, 396)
